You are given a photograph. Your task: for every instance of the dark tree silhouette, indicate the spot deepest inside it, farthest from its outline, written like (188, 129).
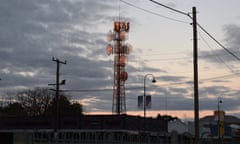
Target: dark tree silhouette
(35, 102)
(65, 107)
(13, 109)
(39, 102)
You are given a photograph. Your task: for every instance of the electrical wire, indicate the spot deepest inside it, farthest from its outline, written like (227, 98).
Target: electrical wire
(217, 56)
(220, 77)
(99, 90)
(151, 12)
(186, 14)
(164, 54)
(228, 51)
(178, 11)
(181, 12)
(202, 81)
(163, 85)
(169, 59)
(204, 30)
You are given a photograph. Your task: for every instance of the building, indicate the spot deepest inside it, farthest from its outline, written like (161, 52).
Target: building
(81, 129)
(210, 125)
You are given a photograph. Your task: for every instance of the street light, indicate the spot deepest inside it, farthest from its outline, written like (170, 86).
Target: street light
(144, 92)
(219, 100)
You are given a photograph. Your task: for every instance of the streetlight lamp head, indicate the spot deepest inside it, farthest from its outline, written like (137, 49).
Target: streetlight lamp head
(154, 80)
(220, 101)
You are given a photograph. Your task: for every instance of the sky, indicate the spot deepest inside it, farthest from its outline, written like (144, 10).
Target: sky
(34, 31)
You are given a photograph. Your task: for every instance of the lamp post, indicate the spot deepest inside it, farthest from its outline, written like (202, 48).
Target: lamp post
(219, 100)
(144, 92)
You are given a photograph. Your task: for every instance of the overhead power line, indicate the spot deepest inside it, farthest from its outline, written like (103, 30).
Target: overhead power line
(204, 30)
(100, 90)
(186, 14)
(163, 85)
(216, 55)
(151, 12)
(178, 11)
(169, 59)
(220, 77)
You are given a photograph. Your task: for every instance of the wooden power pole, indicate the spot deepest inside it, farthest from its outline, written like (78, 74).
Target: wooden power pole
(57, 114)
(195, 69)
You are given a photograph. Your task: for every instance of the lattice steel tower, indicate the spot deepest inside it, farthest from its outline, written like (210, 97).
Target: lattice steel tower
(120, 50)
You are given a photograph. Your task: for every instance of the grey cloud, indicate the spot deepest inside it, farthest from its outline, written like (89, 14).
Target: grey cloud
(220, 56)
(172, 78)
(232, 32)
(209, 95)
(32, 32)
(214, 90)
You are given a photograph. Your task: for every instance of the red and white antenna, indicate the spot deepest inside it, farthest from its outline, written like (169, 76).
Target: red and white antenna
(120, 50)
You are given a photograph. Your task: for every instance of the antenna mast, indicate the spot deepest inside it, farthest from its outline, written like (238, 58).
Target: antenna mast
(120, 50)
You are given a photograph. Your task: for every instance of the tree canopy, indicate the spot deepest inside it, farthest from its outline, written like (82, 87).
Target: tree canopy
(40, 102)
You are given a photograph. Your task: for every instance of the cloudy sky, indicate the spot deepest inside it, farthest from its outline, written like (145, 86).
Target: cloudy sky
(34, 31)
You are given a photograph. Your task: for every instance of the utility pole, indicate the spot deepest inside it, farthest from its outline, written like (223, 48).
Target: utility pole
(195, 63)
(57, 114)
(195, 75)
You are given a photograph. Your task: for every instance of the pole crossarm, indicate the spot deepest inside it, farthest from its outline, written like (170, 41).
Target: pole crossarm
(58, 61)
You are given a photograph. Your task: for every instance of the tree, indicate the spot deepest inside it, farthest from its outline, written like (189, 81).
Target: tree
(13, 109)
(76, 109)
(66, 108)
(40, 101)
(35, 102)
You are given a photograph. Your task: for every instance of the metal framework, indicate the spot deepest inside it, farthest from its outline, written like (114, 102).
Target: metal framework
(120, 50)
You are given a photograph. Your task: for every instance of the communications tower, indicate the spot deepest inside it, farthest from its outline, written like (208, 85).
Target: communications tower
(120, 50)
